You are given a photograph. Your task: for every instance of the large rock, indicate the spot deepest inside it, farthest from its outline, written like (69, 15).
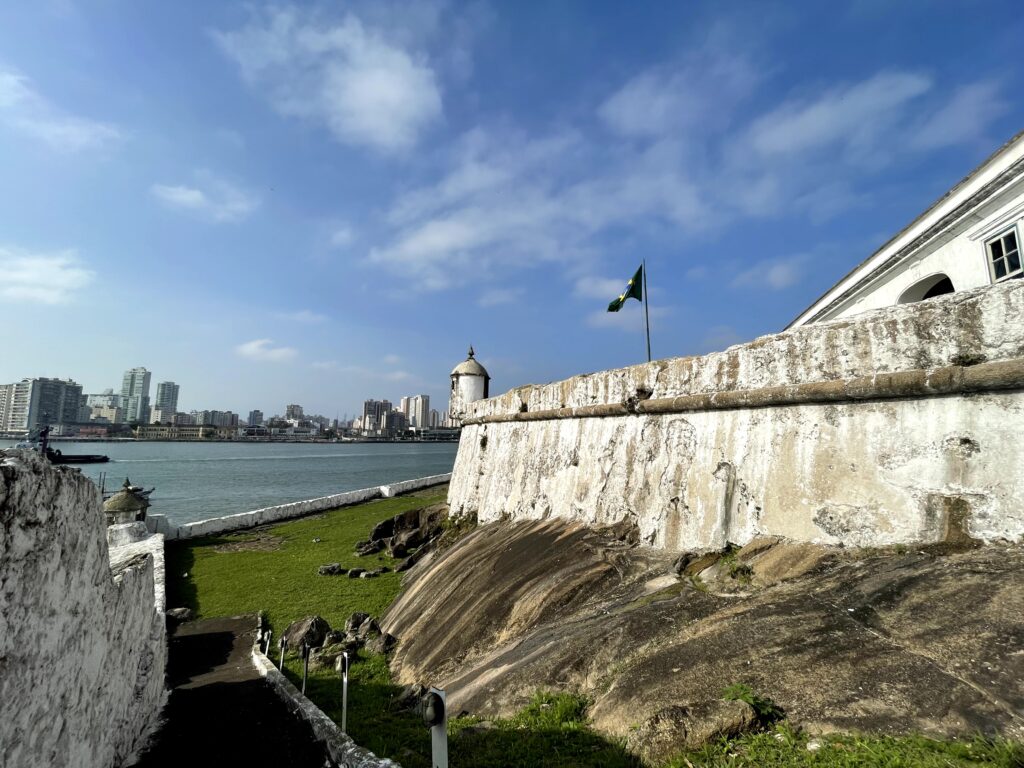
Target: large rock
(679, 727)
(895, 643)
(311, 630)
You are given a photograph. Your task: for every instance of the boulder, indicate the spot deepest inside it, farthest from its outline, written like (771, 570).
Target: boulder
(381, 643)
(397, 550)
(335, 636)
(676, 728)
(353, 622)
(327, 657)
(311, 630)
(383, 530)
(364, 548)
(369, 628)
(407, 540)
(369, 574)
(332, 569)
(355, 573)
(177, 616)
(407, 563)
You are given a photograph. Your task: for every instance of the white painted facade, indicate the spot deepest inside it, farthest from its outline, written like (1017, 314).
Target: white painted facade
(952, 239)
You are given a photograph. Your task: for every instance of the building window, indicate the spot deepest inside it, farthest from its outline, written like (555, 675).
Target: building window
(1004, 256)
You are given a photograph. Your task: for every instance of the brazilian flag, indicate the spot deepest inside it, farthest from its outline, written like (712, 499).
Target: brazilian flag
(634, 290)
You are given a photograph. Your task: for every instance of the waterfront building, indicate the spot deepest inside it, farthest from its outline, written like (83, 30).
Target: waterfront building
(167, 397)
(106, 399)
(215, 418)
(403, 406)
(419, 411)
(34, 403)
(162, 415)
(374, 414)
(255, 418)
(293, 412)
(435, 418)
(106, 414)
(470, 382)
(135, 394)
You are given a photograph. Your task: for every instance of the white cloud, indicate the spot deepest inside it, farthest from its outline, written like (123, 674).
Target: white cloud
(263, 350)
(342, 237)
(599, 287)
(38, 278)
(853, 118)
(497, 296)
(964, 118)
(305, 316)
(775, 274)
(325, 365)
(391, 359)
(213, 198)
(24, 110)
(365, 89)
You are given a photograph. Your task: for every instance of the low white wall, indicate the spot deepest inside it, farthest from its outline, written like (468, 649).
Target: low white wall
(257, 517)
(704, 451)
(82, 638)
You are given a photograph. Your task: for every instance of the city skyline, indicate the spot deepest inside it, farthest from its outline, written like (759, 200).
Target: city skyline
(291, 236)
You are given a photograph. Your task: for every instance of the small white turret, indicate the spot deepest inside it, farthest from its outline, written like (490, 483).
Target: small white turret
(470, 382)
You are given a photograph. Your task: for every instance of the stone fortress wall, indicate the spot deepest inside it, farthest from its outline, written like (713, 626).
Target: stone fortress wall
(900, 425)
(82, 638)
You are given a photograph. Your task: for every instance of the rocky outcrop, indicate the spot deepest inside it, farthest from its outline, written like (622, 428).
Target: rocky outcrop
(924, 640)
(82, 638)
(405, 533)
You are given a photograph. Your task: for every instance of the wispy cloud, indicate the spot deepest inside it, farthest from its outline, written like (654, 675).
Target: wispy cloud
(211, 197)
(23, 109)
(41, 278)
(775, 274)
(498, 296)
(365, 89)
(599, 287)
(964, 118)
(342, 237)
(391, 359)
(306, 316)
(263, 350)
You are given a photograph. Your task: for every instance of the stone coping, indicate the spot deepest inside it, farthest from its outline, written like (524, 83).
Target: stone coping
(342, 749)
(947, 380)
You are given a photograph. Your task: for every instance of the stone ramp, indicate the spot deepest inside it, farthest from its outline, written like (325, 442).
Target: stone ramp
(221, 712)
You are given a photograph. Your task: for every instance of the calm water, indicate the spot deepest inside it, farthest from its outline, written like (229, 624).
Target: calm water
(195, 481)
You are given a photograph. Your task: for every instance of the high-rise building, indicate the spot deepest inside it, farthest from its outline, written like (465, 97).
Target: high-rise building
(135, 394)
(167, 396)
(435, 418)
(106, 399)
(403, 406)
(255, 418)
(375, 414)
(293, 412)
(33, 403)
(419, 411)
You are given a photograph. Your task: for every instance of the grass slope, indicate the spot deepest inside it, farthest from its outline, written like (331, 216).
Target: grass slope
(283, 582)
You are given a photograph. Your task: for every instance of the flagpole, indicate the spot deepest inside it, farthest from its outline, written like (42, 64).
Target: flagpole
(647, 317)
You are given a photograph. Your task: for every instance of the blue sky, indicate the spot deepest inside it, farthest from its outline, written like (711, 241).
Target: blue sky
(321, 203)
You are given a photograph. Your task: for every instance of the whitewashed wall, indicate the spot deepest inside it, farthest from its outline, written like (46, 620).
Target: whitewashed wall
(862, 471)
(82, 646)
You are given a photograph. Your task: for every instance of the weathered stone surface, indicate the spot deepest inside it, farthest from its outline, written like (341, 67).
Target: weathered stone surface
(381, 643)
(177, 616)
(355, 573)
(327, 656)
(383, 529)
(676, 728)
(353, 622)
(311, 630)
(82, 628)
(332, 569)
(369, 574)
(918, 642)
(369, 628)
(826, 473)
(364, 548)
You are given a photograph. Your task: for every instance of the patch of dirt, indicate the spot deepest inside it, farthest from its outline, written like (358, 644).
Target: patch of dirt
(263, 542)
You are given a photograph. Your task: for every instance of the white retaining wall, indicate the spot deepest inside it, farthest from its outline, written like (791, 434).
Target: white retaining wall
(257, 517)
(706, 450)
(82, 638)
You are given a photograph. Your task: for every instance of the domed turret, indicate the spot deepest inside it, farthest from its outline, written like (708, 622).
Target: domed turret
(470, 382)
(126, 506)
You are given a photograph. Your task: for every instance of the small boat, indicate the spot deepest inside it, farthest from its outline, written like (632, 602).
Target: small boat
(40, 444)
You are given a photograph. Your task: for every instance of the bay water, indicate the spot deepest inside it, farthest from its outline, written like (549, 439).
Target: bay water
(197, 481)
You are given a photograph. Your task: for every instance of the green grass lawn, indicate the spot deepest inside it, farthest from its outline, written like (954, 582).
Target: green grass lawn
(274, 570)
(283, 581)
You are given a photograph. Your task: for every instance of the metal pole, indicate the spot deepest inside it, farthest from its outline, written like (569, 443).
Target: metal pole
(439, 734)
(647, 316)
(305, 666)
(284, 645)
(344, 692)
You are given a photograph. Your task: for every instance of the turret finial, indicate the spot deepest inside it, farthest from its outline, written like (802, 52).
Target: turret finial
(471, 350)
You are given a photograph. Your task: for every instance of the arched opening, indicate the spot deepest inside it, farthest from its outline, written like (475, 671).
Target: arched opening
(929, 287)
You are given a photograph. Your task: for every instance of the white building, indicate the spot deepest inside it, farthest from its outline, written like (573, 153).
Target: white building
(32, 403)
(166, 397)
(970, 237)
(419, 411)
(470, 382)
(135, 394)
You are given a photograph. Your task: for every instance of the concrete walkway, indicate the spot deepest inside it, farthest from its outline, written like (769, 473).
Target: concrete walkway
(221, 712)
